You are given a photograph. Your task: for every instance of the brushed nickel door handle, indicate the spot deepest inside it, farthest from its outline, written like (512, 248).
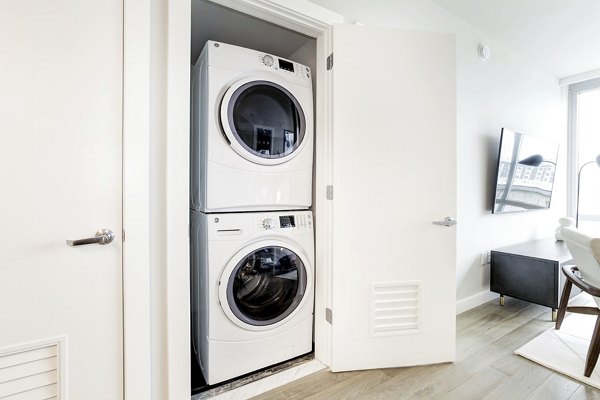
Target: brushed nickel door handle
(448, 221)
(103, 237)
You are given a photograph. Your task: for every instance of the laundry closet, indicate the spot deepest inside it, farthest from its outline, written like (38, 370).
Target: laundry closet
(251, 195)
(375, 287)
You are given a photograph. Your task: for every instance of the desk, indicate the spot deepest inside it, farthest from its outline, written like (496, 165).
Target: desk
(531, 271)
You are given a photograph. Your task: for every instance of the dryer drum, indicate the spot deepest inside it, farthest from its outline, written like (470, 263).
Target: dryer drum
(266, 285)
(266, 119)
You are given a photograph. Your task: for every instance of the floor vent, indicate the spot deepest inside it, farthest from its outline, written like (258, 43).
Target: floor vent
(395, 308)
(30, 374)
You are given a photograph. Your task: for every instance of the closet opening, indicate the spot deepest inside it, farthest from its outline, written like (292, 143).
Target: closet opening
(263, 250)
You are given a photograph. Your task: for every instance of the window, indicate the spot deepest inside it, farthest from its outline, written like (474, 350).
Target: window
(584, 148)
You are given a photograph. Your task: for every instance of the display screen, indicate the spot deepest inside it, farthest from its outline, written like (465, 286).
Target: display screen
(526, 168)
(286, 221)
(288, 66)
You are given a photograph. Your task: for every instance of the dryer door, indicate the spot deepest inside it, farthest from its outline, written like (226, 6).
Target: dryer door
(263, 121)
(264, 285)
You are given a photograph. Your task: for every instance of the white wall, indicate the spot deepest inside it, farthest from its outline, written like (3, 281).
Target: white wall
(508, 90)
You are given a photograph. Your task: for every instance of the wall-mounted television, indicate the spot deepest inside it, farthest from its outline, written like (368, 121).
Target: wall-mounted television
(525, 174)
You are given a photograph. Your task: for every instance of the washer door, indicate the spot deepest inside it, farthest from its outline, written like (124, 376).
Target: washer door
(263, 285)
(263, 121)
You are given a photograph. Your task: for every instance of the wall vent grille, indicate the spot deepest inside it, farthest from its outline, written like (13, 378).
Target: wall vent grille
(395, 308)
(30, 373)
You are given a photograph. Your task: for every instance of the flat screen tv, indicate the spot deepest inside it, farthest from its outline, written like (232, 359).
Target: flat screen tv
(525, 174)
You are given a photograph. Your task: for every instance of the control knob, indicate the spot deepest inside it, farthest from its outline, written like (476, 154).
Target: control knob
(269, 223)
(268, 60)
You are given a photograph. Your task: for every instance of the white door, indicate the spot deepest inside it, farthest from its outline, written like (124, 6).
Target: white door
(394, 172)
(61, 323)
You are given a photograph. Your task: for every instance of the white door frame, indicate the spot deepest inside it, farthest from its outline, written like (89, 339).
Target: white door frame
(136, 200)
(299, 15)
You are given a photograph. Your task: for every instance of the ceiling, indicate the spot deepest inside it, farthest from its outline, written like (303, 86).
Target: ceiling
(213, 22)
(561, 35)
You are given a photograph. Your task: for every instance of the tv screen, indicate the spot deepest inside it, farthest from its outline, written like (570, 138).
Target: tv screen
(525, 175)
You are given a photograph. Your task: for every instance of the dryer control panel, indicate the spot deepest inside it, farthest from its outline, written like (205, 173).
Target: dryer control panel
(282, 64)
(222, 55)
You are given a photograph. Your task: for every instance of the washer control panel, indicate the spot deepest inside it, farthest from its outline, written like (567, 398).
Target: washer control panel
(286, 221)
(284, 65)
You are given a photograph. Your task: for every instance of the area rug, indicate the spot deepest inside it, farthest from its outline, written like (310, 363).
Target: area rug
(564, 351)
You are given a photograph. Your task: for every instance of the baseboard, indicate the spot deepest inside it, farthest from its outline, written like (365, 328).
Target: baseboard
(474, 301)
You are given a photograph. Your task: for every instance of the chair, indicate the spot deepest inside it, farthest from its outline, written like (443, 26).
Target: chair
(586, 276)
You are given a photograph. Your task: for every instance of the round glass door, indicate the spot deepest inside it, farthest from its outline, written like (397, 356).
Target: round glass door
(265, 119)
(266, 286)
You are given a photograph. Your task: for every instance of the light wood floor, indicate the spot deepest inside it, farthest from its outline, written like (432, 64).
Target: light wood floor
(485, 366)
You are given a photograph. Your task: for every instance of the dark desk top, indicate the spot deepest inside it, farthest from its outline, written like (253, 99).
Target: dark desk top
(546, 249)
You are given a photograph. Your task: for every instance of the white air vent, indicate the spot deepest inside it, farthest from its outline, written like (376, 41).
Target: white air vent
(395, 308)
(31, 373)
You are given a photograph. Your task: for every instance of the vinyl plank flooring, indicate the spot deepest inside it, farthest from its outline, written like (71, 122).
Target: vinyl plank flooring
(402, 383)
(485, 368)
(476, 387)
(585, 392)
(437, 384)
(488, 313)
(472, 341)
(556, 387)
(353, 387)
(520, 385)
(309, 385)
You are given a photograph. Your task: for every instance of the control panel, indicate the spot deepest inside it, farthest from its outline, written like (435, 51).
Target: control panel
(283, 222)
(284, 65)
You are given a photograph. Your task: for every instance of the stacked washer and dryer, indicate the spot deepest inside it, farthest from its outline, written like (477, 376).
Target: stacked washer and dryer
(252, 242)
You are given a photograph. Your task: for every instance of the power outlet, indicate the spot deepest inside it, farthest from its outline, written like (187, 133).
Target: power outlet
(485, 258)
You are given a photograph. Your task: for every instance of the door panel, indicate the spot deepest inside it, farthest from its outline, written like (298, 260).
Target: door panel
(60, 168)
(394, 173)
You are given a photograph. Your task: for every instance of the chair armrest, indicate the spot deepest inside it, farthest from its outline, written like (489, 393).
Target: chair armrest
(569, 271)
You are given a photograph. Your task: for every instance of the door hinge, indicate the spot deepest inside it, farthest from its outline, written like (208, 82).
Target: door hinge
(123, 235)
(329, 193)
(329, 61)
(329, 315)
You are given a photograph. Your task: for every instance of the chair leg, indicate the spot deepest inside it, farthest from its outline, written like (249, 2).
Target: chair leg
(564, 301)
(594, 350)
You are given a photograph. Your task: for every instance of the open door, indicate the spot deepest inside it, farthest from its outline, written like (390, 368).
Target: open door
(394, 173)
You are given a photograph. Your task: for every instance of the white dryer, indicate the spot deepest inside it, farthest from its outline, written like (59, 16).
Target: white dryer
(251, 131)
(252, 290)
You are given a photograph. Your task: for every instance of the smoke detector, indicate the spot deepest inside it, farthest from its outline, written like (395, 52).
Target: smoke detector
(484, 52)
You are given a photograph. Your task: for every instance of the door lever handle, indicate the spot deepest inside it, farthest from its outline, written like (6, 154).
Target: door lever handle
(448, 221)
(103, 236)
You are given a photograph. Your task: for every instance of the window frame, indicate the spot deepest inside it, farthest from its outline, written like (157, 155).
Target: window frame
(572, 141)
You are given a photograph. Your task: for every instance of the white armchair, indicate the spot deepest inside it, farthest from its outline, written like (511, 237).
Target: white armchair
(586, 276)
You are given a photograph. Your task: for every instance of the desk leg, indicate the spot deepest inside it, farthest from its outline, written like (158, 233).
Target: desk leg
(502, 300)
(554, 313)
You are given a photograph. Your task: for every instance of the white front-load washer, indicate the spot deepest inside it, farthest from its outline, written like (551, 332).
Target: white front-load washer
(251, 131)
(252, 290)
